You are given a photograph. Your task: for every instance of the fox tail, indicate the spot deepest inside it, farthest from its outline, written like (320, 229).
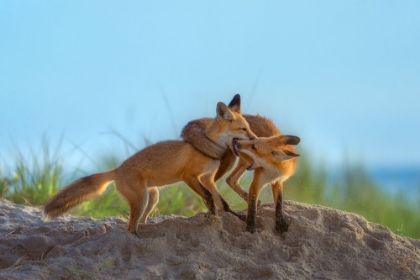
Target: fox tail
(77, 192)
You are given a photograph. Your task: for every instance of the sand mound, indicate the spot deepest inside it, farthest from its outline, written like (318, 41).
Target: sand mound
(321, 243)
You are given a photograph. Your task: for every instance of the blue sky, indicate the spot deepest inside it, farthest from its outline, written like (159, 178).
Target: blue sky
(342, 75)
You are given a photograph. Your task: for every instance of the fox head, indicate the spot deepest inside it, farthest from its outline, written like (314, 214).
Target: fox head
(276, 155)
(229, 124)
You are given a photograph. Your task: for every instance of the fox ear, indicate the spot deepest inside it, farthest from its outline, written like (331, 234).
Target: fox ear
(224, 112)
(284, 155)
(291, 154)
(235, 104)
(289, 140)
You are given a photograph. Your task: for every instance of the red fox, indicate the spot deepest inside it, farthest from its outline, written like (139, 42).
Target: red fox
(273, 160)
(193, 133)
(163, 163)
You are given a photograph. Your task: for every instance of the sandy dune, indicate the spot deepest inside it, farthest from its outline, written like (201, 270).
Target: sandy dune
(322, 243)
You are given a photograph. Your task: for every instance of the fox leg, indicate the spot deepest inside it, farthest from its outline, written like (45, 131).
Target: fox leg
(197, 187)
(234, 177)
(277, 189)
(208, 183)
(254, 192)
(137, 196)
(151, 203)
(226, 163)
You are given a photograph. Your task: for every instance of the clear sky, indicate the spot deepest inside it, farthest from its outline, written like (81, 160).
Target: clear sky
(342, 75)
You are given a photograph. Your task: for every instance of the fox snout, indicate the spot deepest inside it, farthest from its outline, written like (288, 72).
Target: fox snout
(252, 136)
(237, 146)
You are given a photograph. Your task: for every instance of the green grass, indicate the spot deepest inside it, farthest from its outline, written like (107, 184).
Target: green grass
(354, 191)
(32, 180)
(35, 179)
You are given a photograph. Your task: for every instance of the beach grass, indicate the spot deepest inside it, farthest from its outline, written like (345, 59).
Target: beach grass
(34, 179)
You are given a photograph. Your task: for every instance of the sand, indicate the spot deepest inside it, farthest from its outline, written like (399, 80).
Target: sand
(322, 243)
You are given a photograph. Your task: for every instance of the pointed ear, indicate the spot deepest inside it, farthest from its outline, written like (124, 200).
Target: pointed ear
(284, 155)
(291, 154)
(289, 140)
(223, 112)
(235, 104)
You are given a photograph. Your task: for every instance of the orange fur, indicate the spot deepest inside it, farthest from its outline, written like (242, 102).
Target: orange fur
(193, 133)
(160, 164)
(273, 160)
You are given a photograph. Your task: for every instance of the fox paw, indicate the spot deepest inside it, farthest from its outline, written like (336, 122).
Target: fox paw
(250, 228)
(242, 217)
(282, 226)
(211, 217)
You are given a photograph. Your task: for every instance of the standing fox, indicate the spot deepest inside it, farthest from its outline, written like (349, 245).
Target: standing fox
(273, 159)
(193, 133)
(163, 163)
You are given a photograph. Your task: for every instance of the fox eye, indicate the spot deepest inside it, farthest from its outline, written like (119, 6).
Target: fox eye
(253, 146)
(244, 129)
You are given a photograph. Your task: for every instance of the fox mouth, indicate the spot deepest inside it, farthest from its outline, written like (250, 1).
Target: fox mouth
(236, 149)
(250, 166)
(235, 146)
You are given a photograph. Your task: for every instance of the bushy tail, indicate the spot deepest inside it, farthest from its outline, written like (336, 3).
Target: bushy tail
(193, 133)
(77, 192)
